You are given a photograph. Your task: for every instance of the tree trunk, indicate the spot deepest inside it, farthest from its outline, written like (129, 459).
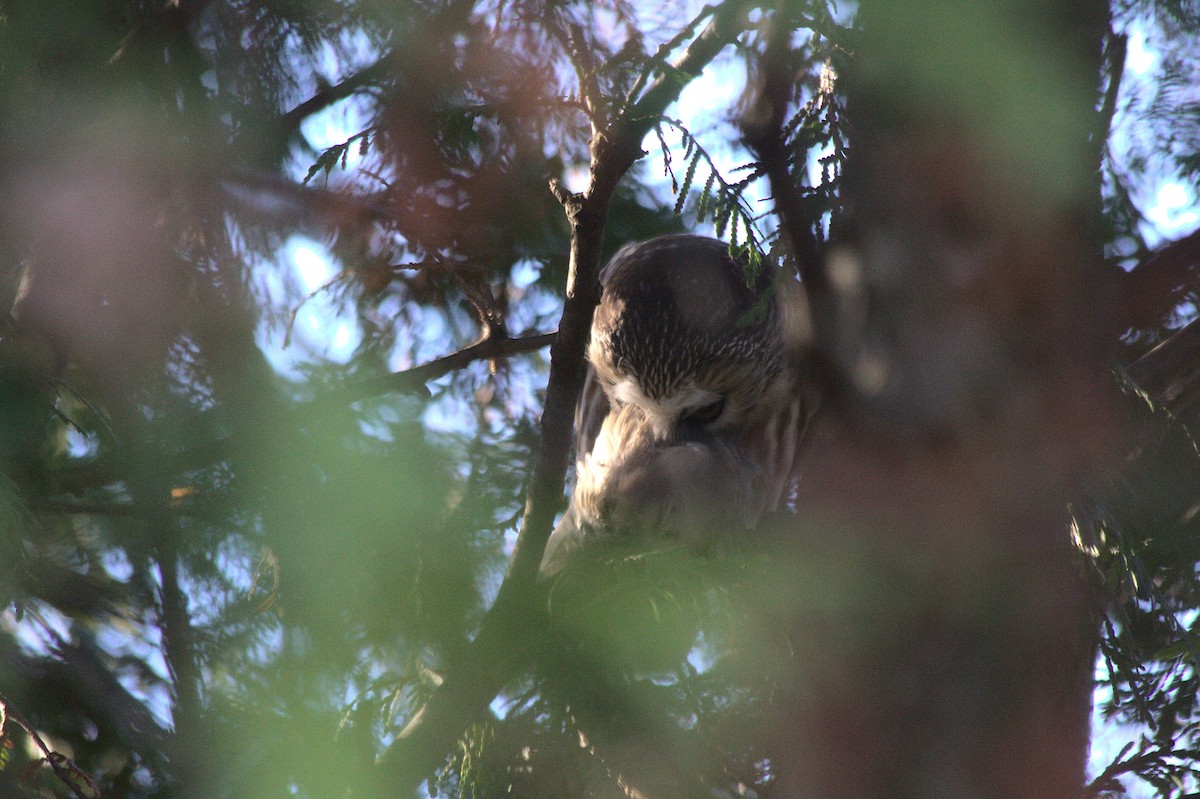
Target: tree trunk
(944, 643)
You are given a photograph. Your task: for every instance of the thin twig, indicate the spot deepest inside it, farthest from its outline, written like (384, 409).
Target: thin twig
(1115, 52)
(413, 380)
(290, 121)
(326, 286)
(659, 59)
(762, 126)
(64, 768)
(448, 19)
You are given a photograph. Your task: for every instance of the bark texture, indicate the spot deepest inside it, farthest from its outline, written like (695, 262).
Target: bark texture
(943, 645)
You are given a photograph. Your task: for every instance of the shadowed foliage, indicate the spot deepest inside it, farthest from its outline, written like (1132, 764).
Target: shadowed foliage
(283, 435)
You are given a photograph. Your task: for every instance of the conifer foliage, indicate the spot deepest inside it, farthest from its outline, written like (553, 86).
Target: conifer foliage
(294, 298)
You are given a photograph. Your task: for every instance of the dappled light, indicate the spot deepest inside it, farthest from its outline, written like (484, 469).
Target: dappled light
(341, 457)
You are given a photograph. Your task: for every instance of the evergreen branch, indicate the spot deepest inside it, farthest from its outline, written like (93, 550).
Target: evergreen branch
(324, 287)
(448, 18)
(1170, 373)
(1149, 757)
(406, 381)
(659, 59)
(730, 204)
(729, 19)
(763, 129)
(762, 126)
(500, 648)
(1158, 283)
(290, 121)
(63, 767)
(338, 153)
(335, 208)
(413, 380)
(1114, 52)
(587, 73)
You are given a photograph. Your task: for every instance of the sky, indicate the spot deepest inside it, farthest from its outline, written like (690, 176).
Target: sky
(1170, 205)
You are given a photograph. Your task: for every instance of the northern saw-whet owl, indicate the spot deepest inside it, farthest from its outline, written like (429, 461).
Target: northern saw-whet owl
(694, 405)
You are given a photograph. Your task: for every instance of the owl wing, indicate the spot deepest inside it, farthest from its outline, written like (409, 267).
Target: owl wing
(593, 406)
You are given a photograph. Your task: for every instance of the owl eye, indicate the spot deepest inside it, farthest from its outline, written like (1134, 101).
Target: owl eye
(707, 413)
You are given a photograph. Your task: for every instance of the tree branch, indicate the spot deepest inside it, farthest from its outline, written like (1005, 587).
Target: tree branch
(63, 767)
(763, 129)
(1170, 371)
(1169, 363)
(1114, 53)
(762, 126)
(241, 185)
(728, 20)
(500, 648)
(446, 20)
(412, 381)
(290, 121)
(407, 381)
(659, 59)
(1170, 374)
(1161, 281)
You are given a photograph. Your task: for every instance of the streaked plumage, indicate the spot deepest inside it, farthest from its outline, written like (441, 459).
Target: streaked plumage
(693, 408)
